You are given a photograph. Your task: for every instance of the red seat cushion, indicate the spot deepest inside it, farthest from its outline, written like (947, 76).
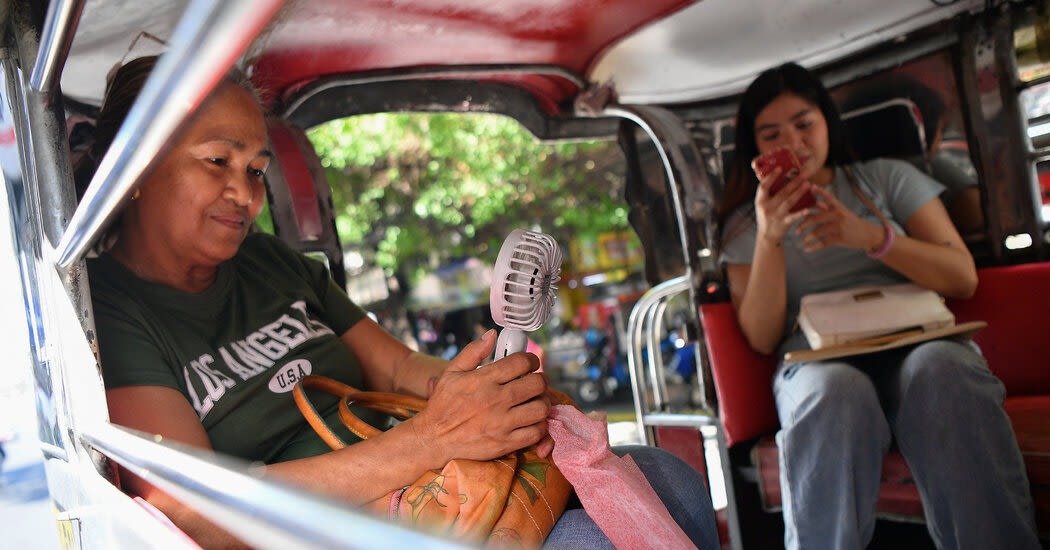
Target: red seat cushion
(1015, 301)
(1030, 416)
(898, 495)
(743, 379)
(687, 444)
(301, 167)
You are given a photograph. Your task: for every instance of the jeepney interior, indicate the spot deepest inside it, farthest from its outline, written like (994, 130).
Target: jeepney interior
(635, 74)
(893, 127)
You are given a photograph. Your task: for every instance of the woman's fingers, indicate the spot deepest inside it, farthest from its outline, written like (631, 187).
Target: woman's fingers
(823, 193)
(528, 435)
(483, 413)
(512, 367)
(827, 223)
(826, 211)
(474, 353)
(545, 446)
(765, 183)
(526, 387)
(820, 237)
(795, 191)
(782, 199)
(773, 210)
(814, 218)
(818, 228)
(840, 226)
(801, 215)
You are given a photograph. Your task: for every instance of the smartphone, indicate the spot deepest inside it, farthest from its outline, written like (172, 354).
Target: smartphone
(784, 159)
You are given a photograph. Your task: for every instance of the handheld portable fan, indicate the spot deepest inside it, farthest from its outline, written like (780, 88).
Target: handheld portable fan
(523, 287)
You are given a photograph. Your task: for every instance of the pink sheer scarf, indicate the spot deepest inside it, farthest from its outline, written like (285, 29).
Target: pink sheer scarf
(612, 489)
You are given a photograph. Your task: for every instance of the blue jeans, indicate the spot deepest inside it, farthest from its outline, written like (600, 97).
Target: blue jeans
(678, 485)
(944, 408)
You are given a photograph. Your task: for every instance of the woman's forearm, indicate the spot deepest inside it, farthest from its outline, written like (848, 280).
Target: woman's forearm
(417, 373)
(356, 475)
(389, 365)
(364, 471)
(931, 254)
(943, 268)
(763, 306)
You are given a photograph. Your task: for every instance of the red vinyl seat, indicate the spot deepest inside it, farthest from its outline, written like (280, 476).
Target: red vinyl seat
(1014, 300)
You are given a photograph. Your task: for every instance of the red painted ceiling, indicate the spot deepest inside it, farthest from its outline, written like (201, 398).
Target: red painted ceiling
(315, 39)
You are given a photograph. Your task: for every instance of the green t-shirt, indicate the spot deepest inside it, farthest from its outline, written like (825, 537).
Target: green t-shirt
(235, 350)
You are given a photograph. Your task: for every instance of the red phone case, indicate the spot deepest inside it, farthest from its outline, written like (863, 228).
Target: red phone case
(784, 159)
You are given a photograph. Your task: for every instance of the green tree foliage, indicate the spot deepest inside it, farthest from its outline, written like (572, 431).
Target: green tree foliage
(421, 189)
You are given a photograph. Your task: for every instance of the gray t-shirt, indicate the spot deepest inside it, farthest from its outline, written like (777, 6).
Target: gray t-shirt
(896, 187)
(949, 172)
(952, 174)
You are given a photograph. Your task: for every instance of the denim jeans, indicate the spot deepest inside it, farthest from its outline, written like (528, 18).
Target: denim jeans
(678, 485)
(943, 407)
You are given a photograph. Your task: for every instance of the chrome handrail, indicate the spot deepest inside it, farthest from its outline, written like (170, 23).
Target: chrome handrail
(209, 38)
(635, 326)
(261, 512)
(666, 131)
(653, 330)
(55, 40)
(691, 420)
(650, 338)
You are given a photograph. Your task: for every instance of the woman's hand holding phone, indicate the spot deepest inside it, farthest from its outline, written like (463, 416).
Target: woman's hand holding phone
(784, 159)
(779, 195)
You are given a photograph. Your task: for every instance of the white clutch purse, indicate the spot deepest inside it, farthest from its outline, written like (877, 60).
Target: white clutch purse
(848, 316)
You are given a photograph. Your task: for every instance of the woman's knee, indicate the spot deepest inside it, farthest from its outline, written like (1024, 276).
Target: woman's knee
(830, 392)
(666, 472)
(944, 387)
(681, 489)
(933, 367)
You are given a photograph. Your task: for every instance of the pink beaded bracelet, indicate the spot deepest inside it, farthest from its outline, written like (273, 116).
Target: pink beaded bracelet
(886, 243)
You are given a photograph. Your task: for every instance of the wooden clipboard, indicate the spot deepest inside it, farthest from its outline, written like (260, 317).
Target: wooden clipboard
(883, 343)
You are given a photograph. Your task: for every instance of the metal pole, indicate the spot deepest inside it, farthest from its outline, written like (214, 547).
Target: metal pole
(653, 328)
(635, 326)
(667, 134)
(263, 513)
(55, 40)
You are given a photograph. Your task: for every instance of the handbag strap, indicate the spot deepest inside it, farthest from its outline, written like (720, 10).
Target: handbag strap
(394, 404)
(867, 202)
(397, 405)
(310, 413)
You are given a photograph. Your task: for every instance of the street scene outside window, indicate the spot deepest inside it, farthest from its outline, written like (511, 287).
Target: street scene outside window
(422, 203)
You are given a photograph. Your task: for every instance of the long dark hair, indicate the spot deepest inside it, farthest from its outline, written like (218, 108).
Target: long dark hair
(787, 78)
(123, 89)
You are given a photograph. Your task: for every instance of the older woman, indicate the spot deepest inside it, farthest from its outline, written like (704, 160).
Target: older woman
(204, 329)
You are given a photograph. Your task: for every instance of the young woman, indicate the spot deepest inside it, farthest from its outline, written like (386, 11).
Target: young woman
(838, 417)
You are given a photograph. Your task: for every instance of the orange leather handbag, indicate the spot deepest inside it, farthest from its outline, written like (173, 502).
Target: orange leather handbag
(512, 501)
